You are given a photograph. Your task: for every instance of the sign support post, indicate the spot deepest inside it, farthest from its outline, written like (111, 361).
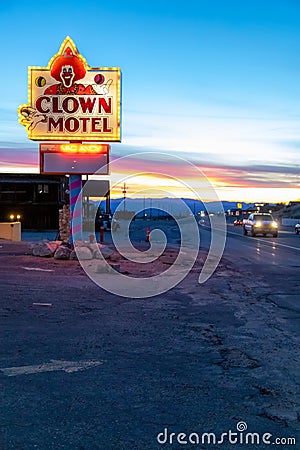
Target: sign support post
(75, 187)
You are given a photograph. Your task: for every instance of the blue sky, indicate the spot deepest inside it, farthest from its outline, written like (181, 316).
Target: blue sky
(215, 82)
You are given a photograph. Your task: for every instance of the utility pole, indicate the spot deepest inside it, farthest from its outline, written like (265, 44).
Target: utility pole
(124, 196)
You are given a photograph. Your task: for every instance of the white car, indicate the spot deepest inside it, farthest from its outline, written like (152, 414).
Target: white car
(297, 228)
(260, 223)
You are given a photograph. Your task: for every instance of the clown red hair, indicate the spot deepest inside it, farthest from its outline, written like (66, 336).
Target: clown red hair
(68, 59)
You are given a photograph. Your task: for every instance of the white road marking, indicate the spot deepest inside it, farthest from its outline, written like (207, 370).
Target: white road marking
(38, 269)
(287, 232)
(42, 304)
(54, 365)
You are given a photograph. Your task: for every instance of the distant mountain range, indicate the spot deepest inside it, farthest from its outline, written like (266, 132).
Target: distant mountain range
(156, 206)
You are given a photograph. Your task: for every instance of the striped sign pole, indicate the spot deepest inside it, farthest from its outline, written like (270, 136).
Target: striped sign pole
(75, 186)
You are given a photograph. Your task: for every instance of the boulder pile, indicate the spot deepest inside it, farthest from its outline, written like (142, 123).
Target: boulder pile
(80, 250)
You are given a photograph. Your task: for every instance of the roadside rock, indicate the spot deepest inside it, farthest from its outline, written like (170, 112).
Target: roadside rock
(80, 243)
(73, 255)
(84, 253)
(45, 249)
(102, 251)
(62, 252)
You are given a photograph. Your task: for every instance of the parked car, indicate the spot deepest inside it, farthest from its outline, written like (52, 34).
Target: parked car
(259, 223)
(238, 222)
(297, 228)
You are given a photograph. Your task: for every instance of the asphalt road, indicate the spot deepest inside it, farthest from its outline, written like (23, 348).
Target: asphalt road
(97, 371)
(266, 252)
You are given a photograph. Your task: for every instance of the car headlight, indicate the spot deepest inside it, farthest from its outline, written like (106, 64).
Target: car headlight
(258, 224)
(274, 224)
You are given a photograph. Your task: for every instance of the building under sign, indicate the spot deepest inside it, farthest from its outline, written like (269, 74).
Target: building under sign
(36, 198)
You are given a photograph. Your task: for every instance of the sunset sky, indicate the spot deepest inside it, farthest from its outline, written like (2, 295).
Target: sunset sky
(216, 83)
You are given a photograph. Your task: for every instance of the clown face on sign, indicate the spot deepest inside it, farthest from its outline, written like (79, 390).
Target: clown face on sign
(69, 68)
(70, 100)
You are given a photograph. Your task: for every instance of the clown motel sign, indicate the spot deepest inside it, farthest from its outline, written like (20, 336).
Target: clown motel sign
(68, 100)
